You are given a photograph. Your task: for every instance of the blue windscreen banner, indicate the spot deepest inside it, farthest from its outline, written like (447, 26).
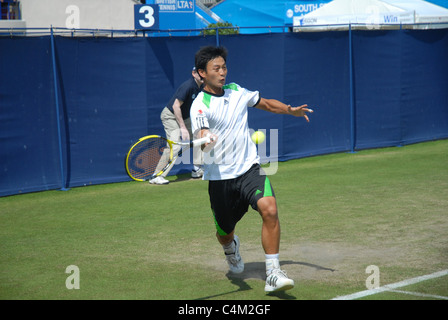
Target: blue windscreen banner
(316, 71)
(29, 149)
(69, 121)
(377, 87)
(424, 85)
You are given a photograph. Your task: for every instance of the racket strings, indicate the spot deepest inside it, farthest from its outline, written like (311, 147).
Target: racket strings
(145, 156)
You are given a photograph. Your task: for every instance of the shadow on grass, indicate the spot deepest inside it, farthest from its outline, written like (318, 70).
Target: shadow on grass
(256, 270)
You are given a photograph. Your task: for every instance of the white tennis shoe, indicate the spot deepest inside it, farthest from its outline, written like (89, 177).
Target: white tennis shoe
(234, 260)
(197, 173)
(277, 280)
(159, 180)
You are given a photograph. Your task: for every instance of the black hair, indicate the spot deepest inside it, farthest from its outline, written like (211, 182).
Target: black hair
(205, 54)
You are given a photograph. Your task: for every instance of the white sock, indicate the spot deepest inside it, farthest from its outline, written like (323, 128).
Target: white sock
(229, 248)
(196, 168)
(272, 262)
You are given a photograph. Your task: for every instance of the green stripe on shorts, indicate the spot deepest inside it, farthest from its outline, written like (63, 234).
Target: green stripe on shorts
(267, 188)
(218, 228)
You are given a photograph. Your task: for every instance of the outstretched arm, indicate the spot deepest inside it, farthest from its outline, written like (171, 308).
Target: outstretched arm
(276, 106)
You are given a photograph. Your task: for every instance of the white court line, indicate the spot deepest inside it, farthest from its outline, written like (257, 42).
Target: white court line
(418, 294)
(392, 286)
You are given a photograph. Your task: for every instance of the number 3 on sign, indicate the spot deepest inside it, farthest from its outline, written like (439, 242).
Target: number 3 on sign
(146, 17)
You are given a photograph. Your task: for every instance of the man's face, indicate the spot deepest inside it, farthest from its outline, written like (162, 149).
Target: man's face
(216, 73)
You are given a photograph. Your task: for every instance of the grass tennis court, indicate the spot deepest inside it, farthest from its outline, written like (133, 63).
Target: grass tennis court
(339, 214)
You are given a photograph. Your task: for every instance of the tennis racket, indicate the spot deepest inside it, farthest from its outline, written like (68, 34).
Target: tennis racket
(143, 158)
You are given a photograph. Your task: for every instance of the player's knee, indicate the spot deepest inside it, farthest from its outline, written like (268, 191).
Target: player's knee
(268, 210)
(270, 214)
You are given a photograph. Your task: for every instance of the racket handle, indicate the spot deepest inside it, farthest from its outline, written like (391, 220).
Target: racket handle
(201, 141)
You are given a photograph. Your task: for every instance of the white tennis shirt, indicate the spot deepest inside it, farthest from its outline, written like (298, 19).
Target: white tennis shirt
(226, 116)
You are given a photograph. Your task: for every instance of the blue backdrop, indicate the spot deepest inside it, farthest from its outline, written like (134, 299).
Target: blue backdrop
(368, 89)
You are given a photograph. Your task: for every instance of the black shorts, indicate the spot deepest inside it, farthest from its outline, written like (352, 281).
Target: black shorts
(230, 199)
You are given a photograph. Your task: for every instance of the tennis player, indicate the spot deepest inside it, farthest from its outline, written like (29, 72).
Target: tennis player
(231, 162)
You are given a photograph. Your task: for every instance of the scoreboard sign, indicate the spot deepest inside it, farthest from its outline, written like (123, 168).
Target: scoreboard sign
(146, 17)
(171, 15)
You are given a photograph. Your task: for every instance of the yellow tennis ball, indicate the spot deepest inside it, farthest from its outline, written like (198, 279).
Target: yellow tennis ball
(258, 137)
